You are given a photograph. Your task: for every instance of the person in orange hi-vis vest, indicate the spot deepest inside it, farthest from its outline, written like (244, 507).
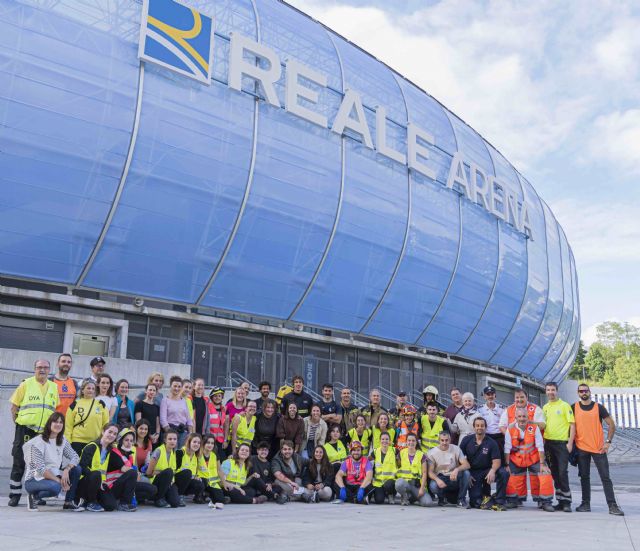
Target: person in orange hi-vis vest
(524, 452)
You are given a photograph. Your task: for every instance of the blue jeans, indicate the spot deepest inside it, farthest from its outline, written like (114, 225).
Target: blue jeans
(50, 488)
(460, 484)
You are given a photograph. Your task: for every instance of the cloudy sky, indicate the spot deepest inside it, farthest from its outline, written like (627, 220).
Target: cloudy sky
(555, 86)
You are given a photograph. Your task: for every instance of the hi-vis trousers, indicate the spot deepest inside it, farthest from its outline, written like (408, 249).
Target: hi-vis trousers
(541, 484)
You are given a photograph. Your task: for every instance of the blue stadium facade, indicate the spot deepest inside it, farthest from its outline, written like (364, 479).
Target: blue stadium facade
(122, 176)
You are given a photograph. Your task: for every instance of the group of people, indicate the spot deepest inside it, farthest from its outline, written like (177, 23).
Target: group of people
(105, 451)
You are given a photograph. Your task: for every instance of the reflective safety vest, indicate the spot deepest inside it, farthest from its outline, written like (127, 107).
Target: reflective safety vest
(335, 455)
(403, 431)
(35, 409)
(524, 452)
(384, 470)
(189, 401)
(376, 436)
(430, 433)
(245, 432)
(67, 391)
(364, 439)
(511, 412)
(216, 421)
(189, 462)
(164, 463)
(410, 470)
(237, 475)
(130, 461)
(208, 468)
(96, 464)
(356, 470)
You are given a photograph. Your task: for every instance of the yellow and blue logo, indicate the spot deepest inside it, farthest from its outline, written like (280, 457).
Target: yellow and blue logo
(177, 37)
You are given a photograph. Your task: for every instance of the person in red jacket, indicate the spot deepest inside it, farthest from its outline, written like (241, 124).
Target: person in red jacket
(354, 478)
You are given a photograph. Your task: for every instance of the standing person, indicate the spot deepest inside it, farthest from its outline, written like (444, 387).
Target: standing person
(361, 433)
(104, 393)
(384, 470)
(218, 424)
(124, 414)
(265, 391)
(353, 480)
(97, 368)
(267, 426)
(299, 397)
(286, 468)
(200, 408)
(383, 425)
(243, 427)
(149, 409)
(235, 406)
(51, 466)
(291, 427)
(32, 403)
(187, 390)
(174, 413)
(374, 409)
(143, 443)
(187, 474)
(336, 450)
(590, 444)
(67, 387)
(535, 414)
(348, 412)
(317, 477)
(210, 472)
(524, 451)
(85, 418)
(491, 411)
(485, 462)
(395, 413)
(406, 425)
(261, 466)
(431, 425)
(328, 406)
(463, 422)
(162, 469)
(430, 395)
(411, 482)
(448, 470)
(452, 411)
(156, 379)
(315, 432)
(558, 443)
(238, 485)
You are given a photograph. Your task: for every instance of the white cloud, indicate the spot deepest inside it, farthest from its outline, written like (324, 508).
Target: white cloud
(615, 137)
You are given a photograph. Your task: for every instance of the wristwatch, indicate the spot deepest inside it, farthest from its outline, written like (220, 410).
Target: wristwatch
(607, 441)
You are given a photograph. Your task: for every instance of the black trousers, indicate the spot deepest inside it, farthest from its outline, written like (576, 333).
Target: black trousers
(558, 460)
(22, 434)
(167, 489)
(584, 471)
(251, 489)
(89, 486)
(121, 491)
(352, 491)
(380, 493)
(78, 447)
(479, 488)
(145, 491)
(499, 439)
(215, 494)
(260, 487)
(187, 485)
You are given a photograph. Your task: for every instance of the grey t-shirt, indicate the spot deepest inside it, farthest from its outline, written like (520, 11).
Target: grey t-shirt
(445, 461)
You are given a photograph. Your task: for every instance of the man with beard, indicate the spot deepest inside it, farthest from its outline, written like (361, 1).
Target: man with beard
(67, 388)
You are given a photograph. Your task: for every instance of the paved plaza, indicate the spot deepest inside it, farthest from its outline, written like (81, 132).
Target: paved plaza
(326, 526)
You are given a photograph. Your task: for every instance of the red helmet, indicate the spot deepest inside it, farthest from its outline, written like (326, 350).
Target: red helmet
(355, 444)
(409, 410)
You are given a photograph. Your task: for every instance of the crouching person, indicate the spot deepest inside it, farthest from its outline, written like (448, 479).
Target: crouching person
(162, 469)
(51, 466)
(412, 474)
(353, 481)
(287, 467)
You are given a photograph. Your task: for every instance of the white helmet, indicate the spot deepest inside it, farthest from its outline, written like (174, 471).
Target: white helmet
(430, 389)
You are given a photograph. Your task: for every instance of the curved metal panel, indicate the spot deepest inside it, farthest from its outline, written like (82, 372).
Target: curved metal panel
(296, 185)
(186, 181)
(555, 300)
(562, 334)
(65, 132)
(372, 222)
(477, 265)
(534, 302)
(511, 279)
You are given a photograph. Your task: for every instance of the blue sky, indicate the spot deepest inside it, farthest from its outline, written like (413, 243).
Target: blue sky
(555, 86)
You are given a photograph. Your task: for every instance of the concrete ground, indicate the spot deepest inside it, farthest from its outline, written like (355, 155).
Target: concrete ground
(336, 527)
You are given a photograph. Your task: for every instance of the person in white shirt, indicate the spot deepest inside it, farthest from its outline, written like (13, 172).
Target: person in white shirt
(466, 416)
(492, 411)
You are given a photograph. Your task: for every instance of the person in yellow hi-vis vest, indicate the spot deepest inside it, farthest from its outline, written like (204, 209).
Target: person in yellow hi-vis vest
(32, 403)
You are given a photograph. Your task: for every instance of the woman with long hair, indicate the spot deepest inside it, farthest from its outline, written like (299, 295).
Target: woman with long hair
(124, 414)
(51, 466)
(384, 470)
(174, 412)
(336, 450)
(360, 433)
(161, 471)
(266, 426)
(85, 417)
(148, 408)
(143, 443)
(156, 379)
(315, 432)
(243, 426)
(317, 477)
(382, 425)
(211, 473)
(238, 484)
(104, 392)
(187, 473)
(291, 427)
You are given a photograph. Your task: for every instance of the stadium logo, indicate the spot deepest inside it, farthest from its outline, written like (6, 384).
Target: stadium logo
(177, 37)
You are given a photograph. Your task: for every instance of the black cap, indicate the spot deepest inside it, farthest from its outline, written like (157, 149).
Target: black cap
(97, 360)
(402, 393)
(488, 389)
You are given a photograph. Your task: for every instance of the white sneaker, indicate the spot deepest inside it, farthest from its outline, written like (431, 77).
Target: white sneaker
(219, 505)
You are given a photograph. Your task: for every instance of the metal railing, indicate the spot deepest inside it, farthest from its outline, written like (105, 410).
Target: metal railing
(358, 399)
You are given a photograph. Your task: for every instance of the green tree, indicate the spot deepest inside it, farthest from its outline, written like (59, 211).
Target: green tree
(598, 361)
(626, 372)
(578, 367)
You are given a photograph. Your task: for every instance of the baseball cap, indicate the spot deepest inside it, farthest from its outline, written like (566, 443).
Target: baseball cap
(402, 393)
(97, 360)
(488, 389)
